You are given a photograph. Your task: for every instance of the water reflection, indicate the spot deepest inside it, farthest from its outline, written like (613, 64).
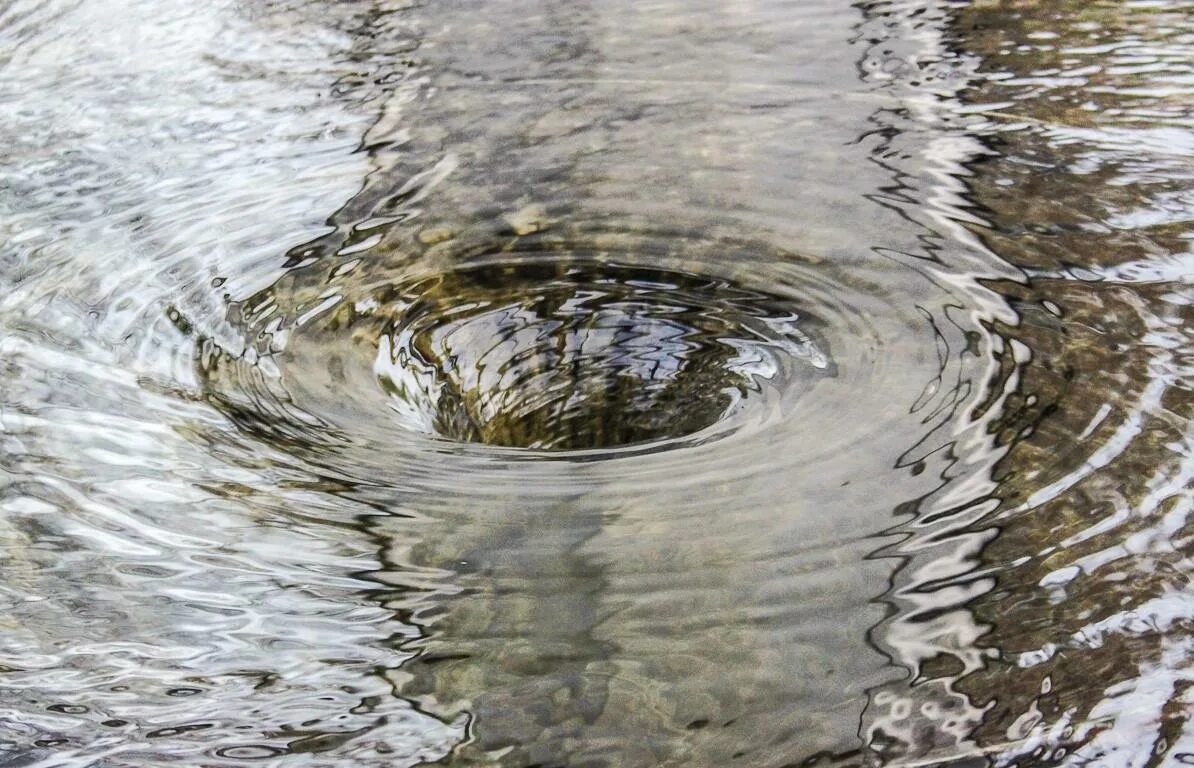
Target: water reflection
(1091, 561)
(924, 460)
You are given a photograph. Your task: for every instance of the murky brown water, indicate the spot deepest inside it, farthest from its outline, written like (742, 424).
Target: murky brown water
(583, 384)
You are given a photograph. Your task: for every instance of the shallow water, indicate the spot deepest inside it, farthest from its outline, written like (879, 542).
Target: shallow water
(582, 384)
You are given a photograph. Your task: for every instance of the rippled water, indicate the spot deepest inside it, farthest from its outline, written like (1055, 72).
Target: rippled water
(574, 384)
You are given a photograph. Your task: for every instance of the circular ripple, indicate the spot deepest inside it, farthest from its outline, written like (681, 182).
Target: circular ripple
(582, 355)
(464, 356)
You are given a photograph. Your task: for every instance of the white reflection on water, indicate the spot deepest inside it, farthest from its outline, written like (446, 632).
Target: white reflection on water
(249, 558)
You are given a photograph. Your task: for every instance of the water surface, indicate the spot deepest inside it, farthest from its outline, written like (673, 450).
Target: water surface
(562, 383)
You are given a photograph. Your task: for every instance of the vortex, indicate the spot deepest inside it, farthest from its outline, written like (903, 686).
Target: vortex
(577, 344)
(576, 355)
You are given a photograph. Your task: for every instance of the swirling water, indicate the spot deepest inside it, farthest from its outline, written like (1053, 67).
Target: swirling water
(574, 384)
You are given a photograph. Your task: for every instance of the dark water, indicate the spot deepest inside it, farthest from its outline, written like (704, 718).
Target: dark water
(580, 384)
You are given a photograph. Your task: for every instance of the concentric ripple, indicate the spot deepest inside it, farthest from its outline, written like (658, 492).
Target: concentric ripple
(553, 426)
(578, 345)
(576, 355)
(520, 384)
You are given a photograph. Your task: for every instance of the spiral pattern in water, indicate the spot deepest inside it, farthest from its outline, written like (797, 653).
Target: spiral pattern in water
(582, 346)
(578, 356)
(524, 383)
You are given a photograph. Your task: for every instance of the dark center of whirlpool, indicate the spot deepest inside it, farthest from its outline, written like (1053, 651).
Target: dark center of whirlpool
(580, 355)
